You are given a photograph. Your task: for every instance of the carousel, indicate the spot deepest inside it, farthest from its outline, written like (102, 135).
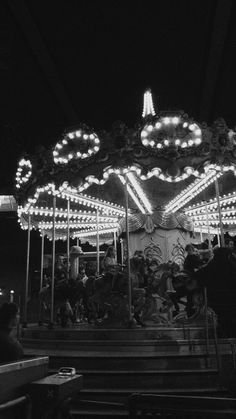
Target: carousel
(131, 190)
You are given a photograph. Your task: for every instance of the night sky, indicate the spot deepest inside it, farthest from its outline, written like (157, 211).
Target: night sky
(63, 62)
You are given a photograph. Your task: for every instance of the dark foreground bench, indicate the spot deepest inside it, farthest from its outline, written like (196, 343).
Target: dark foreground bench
(27, 392)
(16, 377)
(184, 407)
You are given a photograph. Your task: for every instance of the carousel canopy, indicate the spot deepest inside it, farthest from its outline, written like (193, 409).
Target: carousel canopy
(167, 162)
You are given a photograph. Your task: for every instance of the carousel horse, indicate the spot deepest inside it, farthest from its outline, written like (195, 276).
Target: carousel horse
(66, 292)
(168, 289)
(157, 303)
(102, 303)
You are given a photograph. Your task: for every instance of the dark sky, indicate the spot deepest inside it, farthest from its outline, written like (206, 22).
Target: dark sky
(69, 61)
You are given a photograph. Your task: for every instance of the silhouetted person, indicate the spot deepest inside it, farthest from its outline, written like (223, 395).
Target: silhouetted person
(192, 261)
(10, 348)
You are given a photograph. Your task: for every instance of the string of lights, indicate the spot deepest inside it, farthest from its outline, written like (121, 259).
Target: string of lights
(192, 190)
(148, 108)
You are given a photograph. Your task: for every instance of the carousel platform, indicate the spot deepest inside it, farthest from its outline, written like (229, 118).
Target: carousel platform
(118, 362)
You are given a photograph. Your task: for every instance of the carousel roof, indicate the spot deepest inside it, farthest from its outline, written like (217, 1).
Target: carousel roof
(167, 162)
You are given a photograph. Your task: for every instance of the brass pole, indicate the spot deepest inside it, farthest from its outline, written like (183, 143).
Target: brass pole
(127, 254)
(68, 241)
(53, 260)
(41, 276)
(201, 238)
(97, 243)
(41, 266)
(27, 271)
(115, 245)
(122, 251)
(208, 226)
(220, 214)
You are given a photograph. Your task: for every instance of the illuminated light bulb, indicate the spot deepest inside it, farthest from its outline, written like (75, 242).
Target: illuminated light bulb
(85, 136)
(84, 155)
(190, 143)
(148, 108)
(191, 127)
(177, 142)
(166, 142)
(198, 141)
(175, 120)
(55, 153)
(91, 136)
(152, 143)
(96, 141)
(158, 125)
(96, 148)
(166, 120)
(144, 133)
(185, 124)
(197, 131)
(159, 145)
(145, 142)
(189, 170)
(71, 135)
(184, 144)
(150, 128)
(78, 134)
(78, 154)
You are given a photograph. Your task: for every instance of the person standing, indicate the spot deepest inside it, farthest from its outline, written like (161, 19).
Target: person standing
(10, 348)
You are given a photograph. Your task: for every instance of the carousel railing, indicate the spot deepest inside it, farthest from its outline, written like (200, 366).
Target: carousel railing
(175, 407)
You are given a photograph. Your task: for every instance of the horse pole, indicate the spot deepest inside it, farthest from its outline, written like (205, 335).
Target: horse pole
(218, 237)
(53, 261)
(122, 251)
(208, 225)
(115, 245)
(27, 271)
(127, 253)
(219, 212)
(41, 276)
(68, 241)
(97, 241)
(201, 238)
(77, 260)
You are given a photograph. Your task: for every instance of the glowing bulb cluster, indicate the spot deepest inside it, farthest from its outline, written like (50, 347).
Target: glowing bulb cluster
(171, 131)
(61, 213)
(23, 173)
(140, 193)
(104, 206)
(48, 225)
(212, 204)
(191, 191)
(148, 108)
(90, 233)
(76, 145)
